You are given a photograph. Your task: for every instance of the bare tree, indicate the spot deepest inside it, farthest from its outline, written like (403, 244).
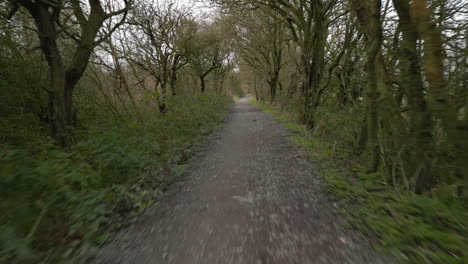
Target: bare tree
(161, 39)
(84, 25)
(207, 52)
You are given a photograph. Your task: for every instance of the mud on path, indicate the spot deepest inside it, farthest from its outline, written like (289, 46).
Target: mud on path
(250, 197)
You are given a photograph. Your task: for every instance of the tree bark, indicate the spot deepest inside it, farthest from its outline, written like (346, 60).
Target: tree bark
(440, 102)
(368, 14)
(273, 85)
(202, 84)
(60, 119)
(120, 72)
(420, 140)
(276, 55)
(173, 78)
(313, 54)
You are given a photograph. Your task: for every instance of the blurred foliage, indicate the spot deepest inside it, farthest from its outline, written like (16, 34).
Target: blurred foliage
(414, 228)
(58, 205)
(23, 98)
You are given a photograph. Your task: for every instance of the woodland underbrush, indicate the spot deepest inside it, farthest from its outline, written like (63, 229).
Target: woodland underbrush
(416, 228)
(58, 205)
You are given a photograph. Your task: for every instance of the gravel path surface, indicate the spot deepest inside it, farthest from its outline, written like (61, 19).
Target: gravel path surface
(249, 198)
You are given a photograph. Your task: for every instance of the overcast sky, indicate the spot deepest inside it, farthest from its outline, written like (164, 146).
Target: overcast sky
(202, 8)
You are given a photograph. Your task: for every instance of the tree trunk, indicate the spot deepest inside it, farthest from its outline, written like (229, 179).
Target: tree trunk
(368, 14)
(173, 81)
(61, 113)
(273, 85)
(202, 84)
(420, 140)
(160, 97)
(61, 119)
(120, 71)
(255, 88)
(313, 63)
(440, 102)
(275, 61)
(372, 105)
(63, 81)
(307, 102)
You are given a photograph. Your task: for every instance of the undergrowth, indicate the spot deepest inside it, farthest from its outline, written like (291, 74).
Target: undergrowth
(58, 206)
(414, 228)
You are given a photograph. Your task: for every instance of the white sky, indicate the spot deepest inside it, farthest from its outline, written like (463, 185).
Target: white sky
(202, 9)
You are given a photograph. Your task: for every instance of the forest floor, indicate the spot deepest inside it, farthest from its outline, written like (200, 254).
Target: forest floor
(249, 196)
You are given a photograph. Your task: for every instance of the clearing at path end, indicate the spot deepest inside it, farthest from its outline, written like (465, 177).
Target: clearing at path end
(249, 198)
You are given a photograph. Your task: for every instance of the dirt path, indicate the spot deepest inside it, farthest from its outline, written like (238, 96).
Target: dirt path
(250, 198)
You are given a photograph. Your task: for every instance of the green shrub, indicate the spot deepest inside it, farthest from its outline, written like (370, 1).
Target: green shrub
(419, 228)
(59, 205)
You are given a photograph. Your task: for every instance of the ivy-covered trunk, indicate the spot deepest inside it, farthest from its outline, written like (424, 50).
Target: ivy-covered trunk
(313, 63)
(419, 150)
(440, 102)
(368, 14)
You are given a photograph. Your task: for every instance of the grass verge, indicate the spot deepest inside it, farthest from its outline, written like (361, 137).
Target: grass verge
(58, 206)
(415, 228)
